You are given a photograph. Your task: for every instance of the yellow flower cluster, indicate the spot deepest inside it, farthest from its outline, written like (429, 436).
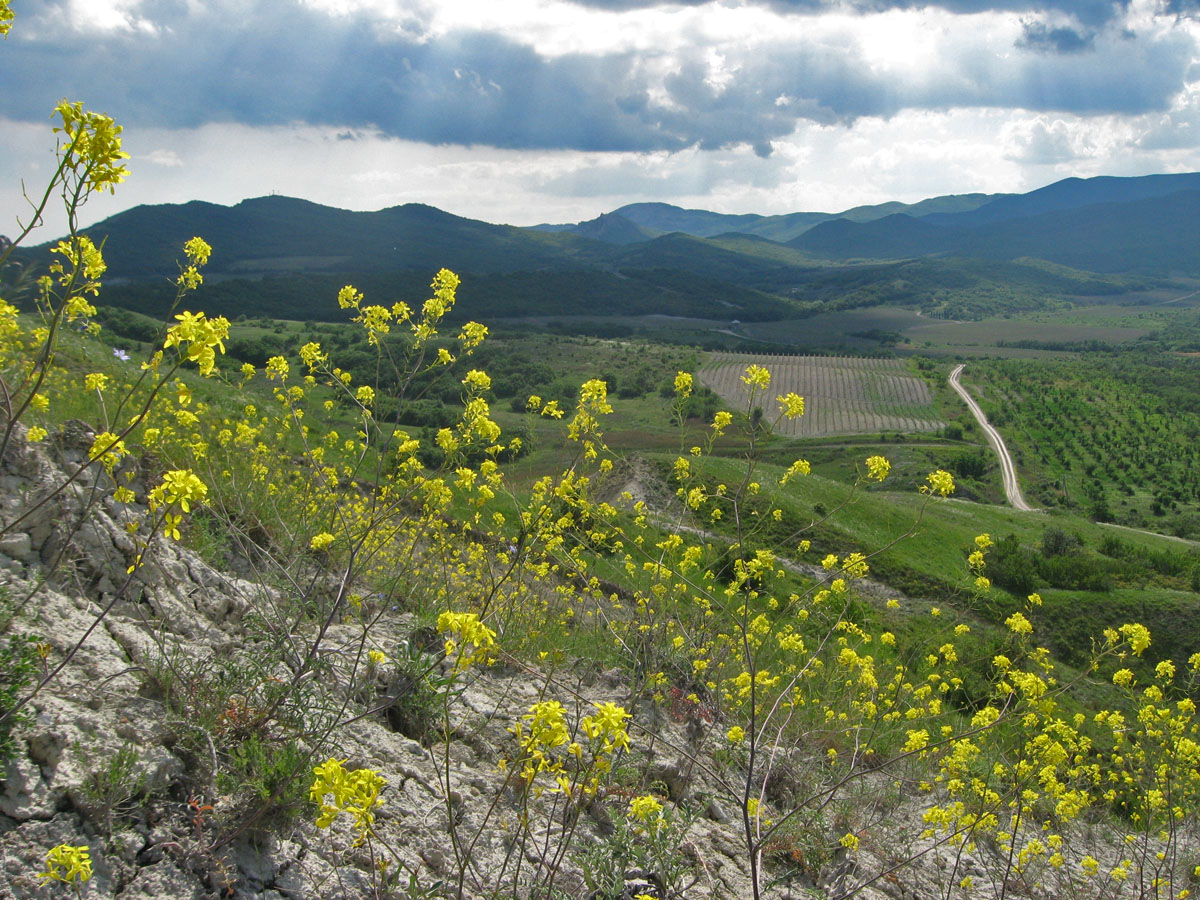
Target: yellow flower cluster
(940, 482)
(108, 449)
(1138, 637)
(338, 791)
(799, 467)
(757, 377)
(478, 380)
(540, 731)
(471, 336)
(543, 730)
(277, 367)
(791, 405)
(68, 864)
(80, 257)
(607, 727)
(466, 631)
(593, 402)
(198, 252)
(1018, 624)
(645, 808)
(179, 489)
(647, 811)
(91, 147)
(202, 336)
(878, 467)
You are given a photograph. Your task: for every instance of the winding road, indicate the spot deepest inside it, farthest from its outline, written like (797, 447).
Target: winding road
(1009, 473)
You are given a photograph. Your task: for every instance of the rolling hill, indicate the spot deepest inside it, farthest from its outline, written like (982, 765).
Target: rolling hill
(1142, 225)
(284, 257)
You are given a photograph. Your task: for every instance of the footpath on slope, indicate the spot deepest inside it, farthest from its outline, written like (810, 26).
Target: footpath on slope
(1012, 490)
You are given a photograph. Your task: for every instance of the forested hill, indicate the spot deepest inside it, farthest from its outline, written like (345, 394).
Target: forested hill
(271, 235)
(286, 234)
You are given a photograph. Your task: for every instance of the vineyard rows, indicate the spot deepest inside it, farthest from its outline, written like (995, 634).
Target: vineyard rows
(843, 395)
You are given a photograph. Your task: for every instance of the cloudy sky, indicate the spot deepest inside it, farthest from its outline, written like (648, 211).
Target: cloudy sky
(526, 111)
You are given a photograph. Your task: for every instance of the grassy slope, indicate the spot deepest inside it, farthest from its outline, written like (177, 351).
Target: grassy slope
(930, 562)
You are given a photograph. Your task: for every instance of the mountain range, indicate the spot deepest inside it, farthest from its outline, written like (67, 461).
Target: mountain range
(283, 256)
(1147, 224)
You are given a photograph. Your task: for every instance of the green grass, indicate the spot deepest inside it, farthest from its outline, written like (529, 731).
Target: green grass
(943, 530)
(1070, 620)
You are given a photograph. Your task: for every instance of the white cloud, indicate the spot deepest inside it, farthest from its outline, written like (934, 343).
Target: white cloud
(1176, 129)
(108, 15)
(1042, 141)
(162, 157)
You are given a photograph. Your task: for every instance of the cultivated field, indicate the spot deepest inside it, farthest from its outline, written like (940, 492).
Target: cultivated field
(843, 395)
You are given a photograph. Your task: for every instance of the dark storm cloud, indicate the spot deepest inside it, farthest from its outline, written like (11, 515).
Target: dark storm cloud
(1040, 36)
(623, 5)
(308, 67)
(1089, 12)
(272, 65)
(1183, 7)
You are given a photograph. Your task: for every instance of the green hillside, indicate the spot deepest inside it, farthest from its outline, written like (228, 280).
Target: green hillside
(952, 288)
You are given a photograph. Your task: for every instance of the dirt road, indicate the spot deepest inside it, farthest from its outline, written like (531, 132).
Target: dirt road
(1008, 472)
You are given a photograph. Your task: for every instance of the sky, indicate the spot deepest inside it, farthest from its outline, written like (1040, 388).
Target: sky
(528, 111)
